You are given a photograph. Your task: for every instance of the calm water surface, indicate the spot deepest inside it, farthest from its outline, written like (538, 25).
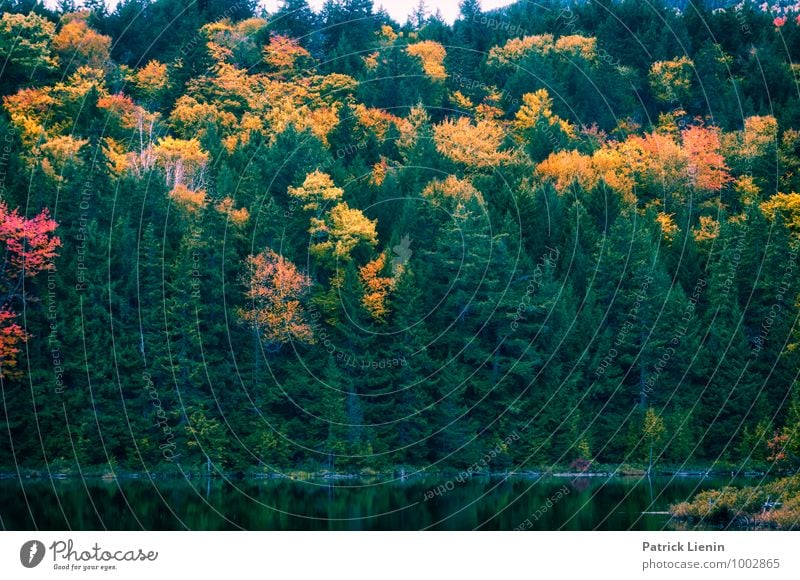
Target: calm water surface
(439, 503)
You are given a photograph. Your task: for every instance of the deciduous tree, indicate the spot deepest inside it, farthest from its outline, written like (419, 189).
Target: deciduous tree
(275, 288)
(29, 247)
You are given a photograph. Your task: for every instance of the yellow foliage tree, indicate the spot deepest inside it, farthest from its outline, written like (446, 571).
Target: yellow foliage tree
(612, 168)
(192, 118)
(577, 45)
(152, 79)
(317, 189)
(71, 95)
(537, 108)
(117, 157)
(655, 161)
(379, 171)
(474, 145)
(453, 190)
(333, 89)
(788, 206)
(759, 137)
(341, 231)
(432, 55)
(411, 128)
(537, 125)
(30, 110)
(565, 168)
(517, 49)
(182, 160)
(387, 34)
(188, 199)
(25, 43)
(671, 80)
(59, 152)
(462, 102)
(234, 43)
(667, 224)
(707, 229)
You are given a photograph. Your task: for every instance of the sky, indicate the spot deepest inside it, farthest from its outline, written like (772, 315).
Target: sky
(400, 9)
(397, 9)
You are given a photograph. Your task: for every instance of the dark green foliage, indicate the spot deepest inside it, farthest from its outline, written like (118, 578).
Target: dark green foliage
(561, 317)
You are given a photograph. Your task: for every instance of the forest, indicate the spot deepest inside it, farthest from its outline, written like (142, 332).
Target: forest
(561, 234)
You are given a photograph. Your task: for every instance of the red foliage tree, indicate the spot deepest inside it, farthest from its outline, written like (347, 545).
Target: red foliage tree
(28, 247)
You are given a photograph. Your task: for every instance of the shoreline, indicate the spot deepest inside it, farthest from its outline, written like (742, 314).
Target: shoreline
(625, 471)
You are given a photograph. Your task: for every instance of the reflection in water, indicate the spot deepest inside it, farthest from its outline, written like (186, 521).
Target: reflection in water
(491, 503)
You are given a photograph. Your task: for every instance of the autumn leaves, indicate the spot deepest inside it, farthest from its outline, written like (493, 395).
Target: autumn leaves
(336, 230)
(30, 248)
(275, 288)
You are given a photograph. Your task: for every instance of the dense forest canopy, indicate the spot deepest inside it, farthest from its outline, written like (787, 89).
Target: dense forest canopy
(334, 241)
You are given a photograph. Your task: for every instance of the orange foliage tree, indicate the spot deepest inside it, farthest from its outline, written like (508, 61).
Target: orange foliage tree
(79, 45)
(707, 166)
(376, 288)
(286, 57)
(565, 168)
(275, 288)
(452, 191)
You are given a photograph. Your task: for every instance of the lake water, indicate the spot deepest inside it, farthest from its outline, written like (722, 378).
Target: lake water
(439, 503)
